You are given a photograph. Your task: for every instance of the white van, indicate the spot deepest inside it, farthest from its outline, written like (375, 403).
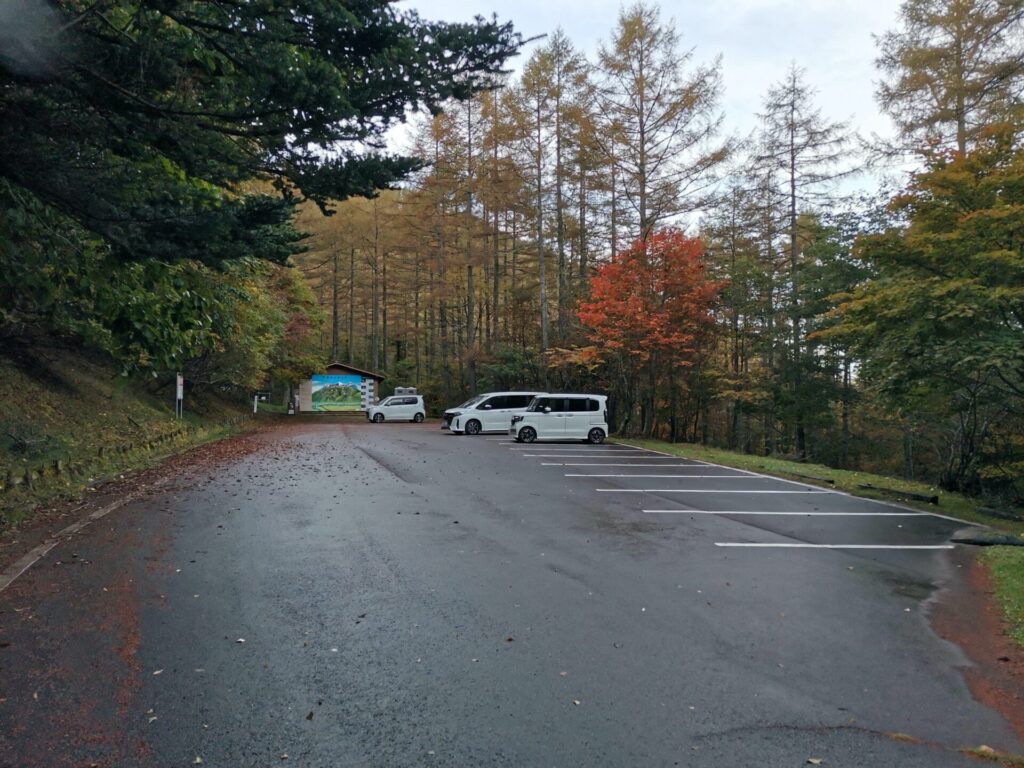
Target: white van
(398, 408)
(490, 412)
(563, 417)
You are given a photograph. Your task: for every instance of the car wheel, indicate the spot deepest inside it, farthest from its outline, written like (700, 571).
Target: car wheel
(472, 427)
(527, 435)
(378, 418)
(418, 418)
(595, 436)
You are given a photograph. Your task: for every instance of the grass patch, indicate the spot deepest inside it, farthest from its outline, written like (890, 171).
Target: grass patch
(68, 420)
(1006, 565)
(271, 408)
(950, 504)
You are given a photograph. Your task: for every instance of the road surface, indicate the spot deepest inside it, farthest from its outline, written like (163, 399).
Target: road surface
(392, 595)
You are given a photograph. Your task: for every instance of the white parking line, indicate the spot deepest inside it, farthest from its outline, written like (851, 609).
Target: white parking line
(726, 477)
(604, 464)
(633, 457)
(696, 490)
(890, 504)
(515, 447)
(794, 514)
(832, 546)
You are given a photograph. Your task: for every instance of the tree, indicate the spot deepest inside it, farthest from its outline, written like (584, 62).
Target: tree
(659, 120)
(940, 328)
(650, 315)
(800, 153)
(569, 88)
(953, 68)
(139, 118)
(534, 115)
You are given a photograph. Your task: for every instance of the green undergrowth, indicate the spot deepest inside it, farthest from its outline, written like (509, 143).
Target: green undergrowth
(68, 420)
(848, 481)
(272, 408)
(1006, 565)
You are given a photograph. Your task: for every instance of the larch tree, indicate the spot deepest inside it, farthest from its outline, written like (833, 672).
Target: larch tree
(801, 154)
(534, 114)
(952, 68)
(568, 89)
(661, 118)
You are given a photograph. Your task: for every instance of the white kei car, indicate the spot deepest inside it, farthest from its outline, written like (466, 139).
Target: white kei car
(489, 412)
(398, 408)
(563, 417)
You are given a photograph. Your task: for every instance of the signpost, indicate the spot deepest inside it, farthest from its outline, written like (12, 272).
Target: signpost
(179, 397)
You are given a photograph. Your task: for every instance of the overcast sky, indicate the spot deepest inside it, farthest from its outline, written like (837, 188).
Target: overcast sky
(757, 39)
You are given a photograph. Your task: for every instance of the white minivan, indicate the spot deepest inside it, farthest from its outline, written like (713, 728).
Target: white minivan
(490, 412)
(398, 408)
(563, 417)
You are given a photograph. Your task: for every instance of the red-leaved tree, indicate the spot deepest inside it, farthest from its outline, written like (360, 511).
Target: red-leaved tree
(650, 320)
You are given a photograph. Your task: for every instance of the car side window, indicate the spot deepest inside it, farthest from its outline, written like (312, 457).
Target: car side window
(498, 402)
(559, 405)
(577, 404)
(593, 405)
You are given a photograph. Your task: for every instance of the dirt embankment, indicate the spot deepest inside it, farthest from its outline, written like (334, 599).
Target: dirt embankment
(68, 420)
(969, 616)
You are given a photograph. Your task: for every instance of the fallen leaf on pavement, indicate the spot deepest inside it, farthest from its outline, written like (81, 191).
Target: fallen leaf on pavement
(814, 760)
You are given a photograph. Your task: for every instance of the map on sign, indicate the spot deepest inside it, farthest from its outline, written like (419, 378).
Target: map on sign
(336, 393)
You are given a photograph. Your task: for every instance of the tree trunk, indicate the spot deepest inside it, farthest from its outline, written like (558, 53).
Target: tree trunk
(540, 235)
(801, 437)
(334, 308)
(384, 307)
(844, 457)
(470, 340)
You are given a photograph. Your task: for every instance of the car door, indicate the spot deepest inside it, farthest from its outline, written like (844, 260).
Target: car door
(552, 425)
(501, 414)
(494, 413)
(408, 408)
(577, 419)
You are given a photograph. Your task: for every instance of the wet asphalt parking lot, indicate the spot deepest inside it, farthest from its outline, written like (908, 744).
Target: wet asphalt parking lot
(393, 595)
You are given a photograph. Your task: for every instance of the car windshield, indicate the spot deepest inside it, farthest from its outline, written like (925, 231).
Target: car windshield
(533, 404)
(386, 401)
(471, 402)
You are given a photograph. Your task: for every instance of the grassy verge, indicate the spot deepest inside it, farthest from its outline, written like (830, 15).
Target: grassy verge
(950, 504)
(68, 421)
(1006, 565)
(272, 408)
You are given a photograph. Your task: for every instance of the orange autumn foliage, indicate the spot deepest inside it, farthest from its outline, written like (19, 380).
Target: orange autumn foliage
(653, 300)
